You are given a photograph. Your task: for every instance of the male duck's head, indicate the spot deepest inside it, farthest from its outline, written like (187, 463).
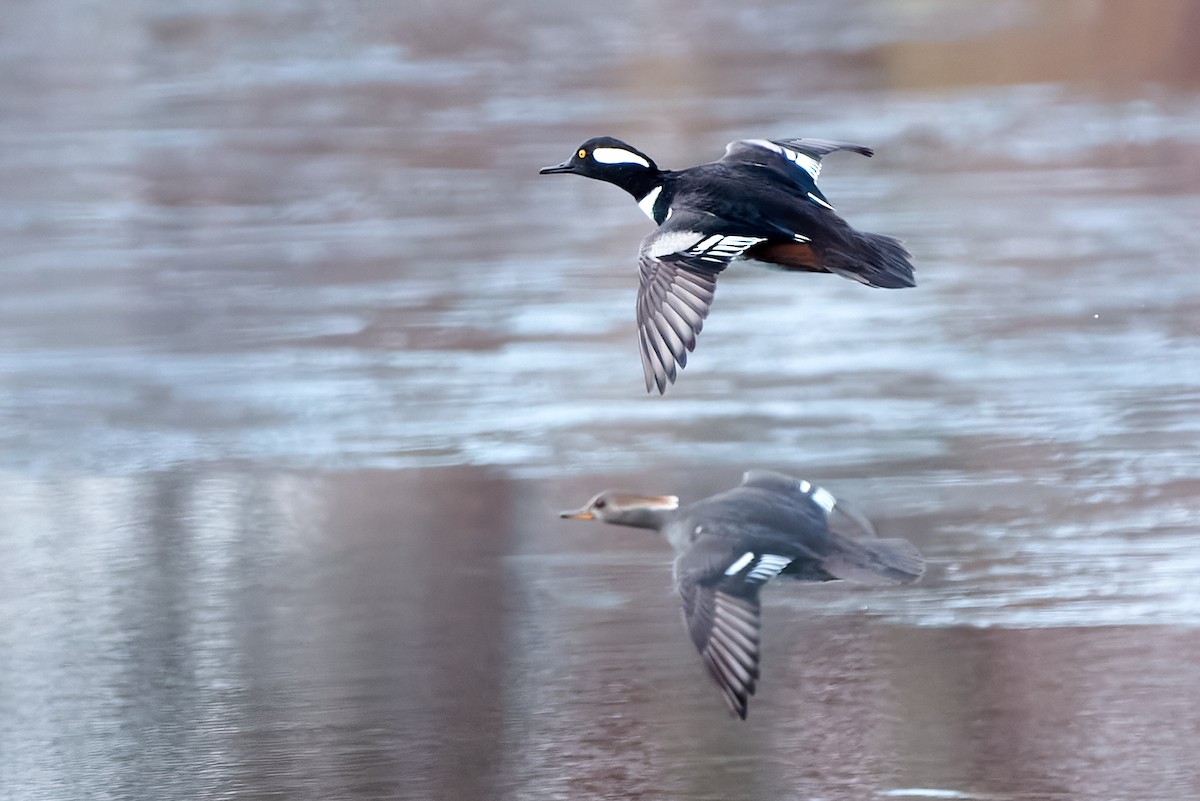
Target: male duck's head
(606, 158)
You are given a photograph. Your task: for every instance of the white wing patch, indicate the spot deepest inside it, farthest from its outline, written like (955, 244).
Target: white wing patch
(618, 155)
(661, 244)
(768, 567)
(820, 496)
(823, 498)
(719, 248)
(741, 562)
(801, 160)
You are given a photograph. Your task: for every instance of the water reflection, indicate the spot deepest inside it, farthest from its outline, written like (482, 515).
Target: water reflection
(438, 634)
(291, 635)
(298, 358)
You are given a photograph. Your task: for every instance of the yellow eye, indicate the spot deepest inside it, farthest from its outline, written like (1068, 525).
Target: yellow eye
(582, 153)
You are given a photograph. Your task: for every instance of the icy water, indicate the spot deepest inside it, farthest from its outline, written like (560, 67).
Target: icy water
(299, 358)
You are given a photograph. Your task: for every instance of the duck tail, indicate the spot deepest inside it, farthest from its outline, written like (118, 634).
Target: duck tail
(877, 562)
(872, 259)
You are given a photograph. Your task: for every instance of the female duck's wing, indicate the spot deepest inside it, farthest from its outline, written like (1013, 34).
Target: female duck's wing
(718, 579)
(845, 539)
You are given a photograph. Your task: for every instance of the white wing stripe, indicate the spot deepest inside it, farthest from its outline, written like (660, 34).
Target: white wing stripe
(818, 201)
(769, 566)
(723, 248)
(802, 160)
(766, 566)
(823, 498)
(741, 562)
(707, 243)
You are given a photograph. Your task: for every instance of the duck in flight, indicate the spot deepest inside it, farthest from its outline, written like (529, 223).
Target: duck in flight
(759, 202)
(731, 544)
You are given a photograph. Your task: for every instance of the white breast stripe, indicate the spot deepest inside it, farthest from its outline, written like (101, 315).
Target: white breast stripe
(824, 498)
(617, 155)
(742, 561)
(768, 567)
(646, 204)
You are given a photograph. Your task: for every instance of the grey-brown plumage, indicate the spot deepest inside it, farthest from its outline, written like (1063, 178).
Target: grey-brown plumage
(729, 545)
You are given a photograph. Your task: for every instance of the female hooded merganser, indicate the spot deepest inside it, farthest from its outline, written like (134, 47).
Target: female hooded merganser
(729, 545)
(760, 201)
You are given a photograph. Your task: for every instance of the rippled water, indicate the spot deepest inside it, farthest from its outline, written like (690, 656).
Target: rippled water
(299, 356)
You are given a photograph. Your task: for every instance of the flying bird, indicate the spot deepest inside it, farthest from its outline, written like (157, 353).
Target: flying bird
(759, 202)
(729, 545)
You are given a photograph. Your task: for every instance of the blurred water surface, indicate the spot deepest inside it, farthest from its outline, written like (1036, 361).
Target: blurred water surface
(299, 357)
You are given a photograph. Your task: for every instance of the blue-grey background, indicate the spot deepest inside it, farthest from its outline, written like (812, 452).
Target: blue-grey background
(299, 357)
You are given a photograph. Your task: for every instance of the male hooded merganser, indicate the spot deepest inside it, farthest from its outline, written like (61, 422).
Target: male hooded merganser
(760, 201)
(729, 545)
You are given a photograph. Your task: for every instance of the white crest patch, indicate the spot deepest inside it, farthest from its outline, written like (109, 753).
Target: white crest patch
(646, 204)
(618, 155)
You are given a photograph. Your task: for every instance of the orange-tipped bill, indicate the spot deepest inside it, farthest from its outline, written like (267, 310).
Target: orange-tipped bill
(609, 505)
(579, 514)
